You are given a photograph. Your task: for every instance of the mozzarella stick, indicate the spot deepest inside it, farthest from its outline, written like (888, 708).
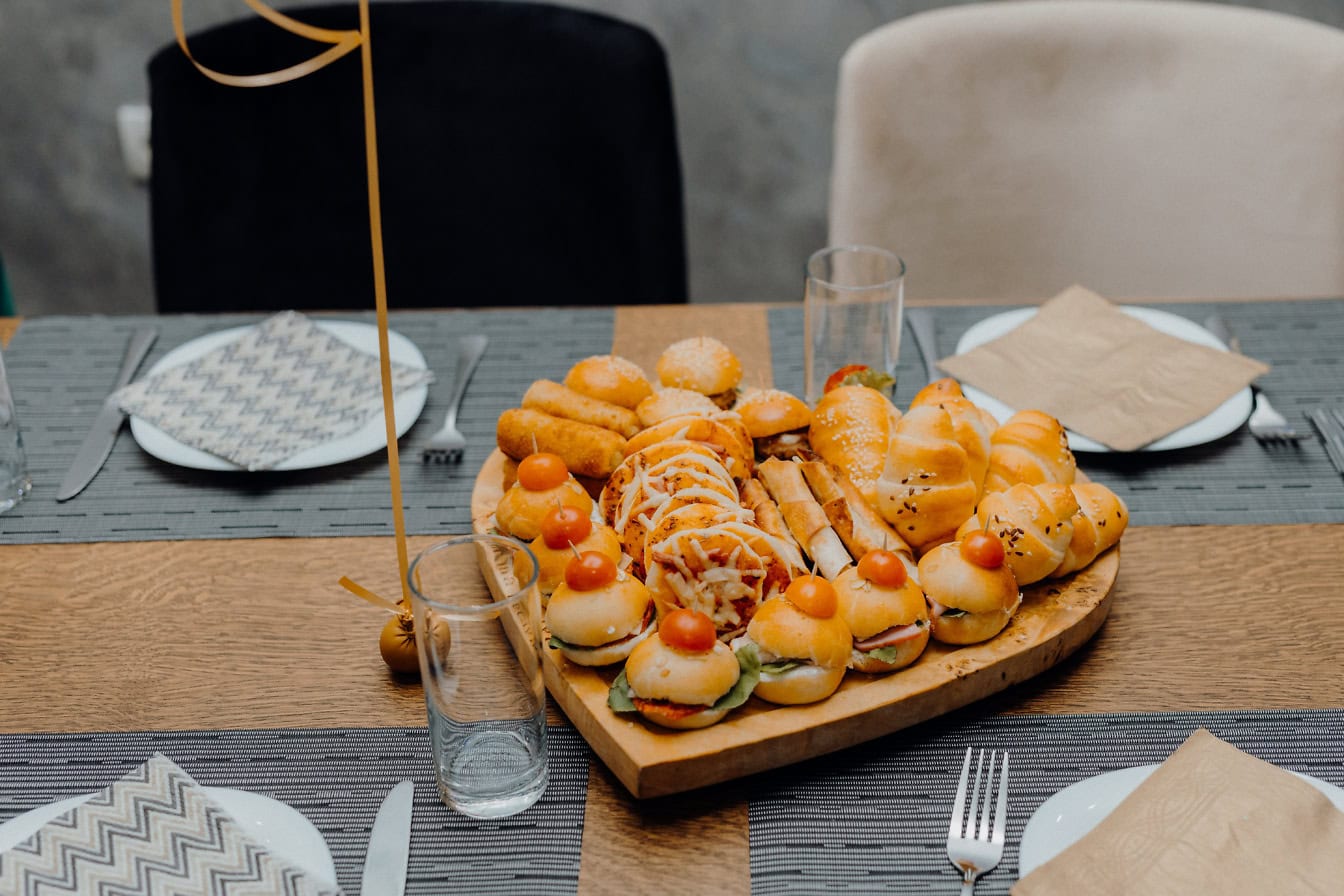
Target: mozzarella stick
(587, 450)
(562, 401)
(804, 516)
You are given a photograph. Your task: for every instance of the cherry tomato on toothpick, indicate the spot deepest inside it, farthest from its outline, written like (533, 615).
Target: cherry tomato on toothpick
(983, 549)
(884, 568)
(590, 571)
(565, 526)
(540, 471)
(813, 595)
(687, 630)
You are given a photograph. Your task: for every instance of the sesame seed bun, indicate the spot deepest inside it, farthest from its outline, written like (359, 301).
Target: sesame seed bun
(599, 622)
(665, 403)
(769, 412)
(610, 378)
(702, 364)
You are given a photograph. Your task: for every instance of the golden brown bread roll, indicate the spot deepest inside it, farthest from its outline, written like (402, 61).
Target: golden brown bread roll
(783, 479)
(851, 430)
(967, 603)
(587, 450)
(926, 490)
(1031, 447)
(666, 403)
(702, 364)
(562, 401)
(972, 425)
(1033, 522)
(1100, 521)
(610, 378)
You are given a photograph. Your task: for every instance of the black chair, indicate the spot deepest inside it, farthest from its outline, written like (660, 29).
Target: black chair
(527, 156)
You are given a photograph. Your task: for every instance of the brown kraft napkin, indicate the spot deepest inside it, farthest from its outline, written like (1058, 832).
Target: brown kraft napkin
(1211, 819)
(642, 332)
(1103, 373)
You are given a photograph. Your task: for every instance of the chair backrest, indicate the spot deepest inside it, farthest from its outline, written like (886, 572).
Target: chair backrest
(1139, 148)
(527, 156)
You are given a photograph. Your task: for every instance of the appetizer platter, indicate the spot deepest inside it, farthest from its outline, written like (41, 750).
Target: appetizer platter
(734, 581)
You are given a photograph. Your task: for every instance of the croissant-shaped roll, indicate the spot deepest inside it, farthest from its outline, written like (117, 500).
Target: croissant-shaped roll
(851, 429)
(1034, 523)
(926, 490)
(1031, 447)
(971, 424)
(1100, 521)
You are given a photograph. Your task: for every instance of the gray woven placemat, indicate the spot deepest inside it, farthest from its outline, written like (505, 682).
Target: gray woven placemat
(61, 368)
(337, 778)
(874, 818)
(1234, 480)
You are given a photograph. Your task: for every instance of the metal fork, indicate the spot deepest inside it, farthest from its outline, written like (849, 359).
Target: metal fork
(1266, 424)
(978, 852)
(447, 445)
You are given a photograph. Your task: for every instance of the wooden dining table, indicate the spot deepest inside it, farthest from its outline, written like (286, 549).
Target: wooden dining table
(255, 633)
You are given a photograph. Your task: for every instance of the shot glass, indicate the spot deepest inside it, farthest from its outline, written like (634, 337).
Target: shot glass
(479, 640)
(15, 482)
(852, 315)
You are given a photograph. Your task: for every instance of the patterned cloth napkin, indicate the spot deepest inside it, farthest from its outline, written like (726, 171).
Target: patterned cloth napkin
(284, 386)
(153, 833)
(1211, 819)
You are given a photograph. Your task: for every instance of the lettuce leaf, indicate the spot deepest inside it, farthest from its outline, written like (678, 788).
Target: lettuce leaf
(748, 664)
(885, 654)
(618, 697)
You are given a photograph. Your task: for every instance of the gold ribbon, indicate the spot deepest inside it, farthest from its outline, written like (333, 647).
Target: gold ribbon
(342, 42)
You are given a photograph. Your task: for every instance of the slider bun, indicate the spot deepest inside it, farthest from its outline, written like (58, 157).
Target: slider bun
(610, 378)
(702, 364)
(551, 562)
(802, 684)
(971, 628)
(598, 617)
(769, 412)
(666, 403)
(869, 609)
(520, 510)
(656, 671)
(953, 581)
(781, 628)
(906, 653)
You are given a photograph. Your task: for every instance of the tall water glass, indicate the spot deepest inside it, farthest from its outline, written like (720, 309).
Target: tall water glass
(14, 480)
(852, 314)
(480, 663)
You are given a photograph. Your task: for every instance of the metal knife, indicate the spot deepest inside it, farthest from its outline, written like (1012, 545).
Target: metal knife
(103, 434)
(389, 844)
(921, 324)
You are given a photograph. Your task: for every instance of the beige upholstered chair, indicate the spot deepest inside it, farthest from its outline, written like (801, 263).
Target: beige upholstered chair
(1139, 148)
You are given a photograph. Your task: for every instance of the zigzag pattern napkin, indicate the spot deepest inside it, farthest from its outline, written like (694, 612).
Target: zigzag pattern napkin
(153, 833)
(284, 386)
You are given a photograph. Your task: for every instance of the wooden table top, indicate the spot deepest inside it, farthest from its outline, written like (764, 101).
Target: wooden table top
(130, 636)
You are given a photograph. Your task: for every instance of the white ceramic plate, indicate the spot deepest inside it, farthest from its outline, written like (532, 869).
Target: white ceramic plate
(1063, 819)
(1224, 419)
(280, 828)
(366, 440)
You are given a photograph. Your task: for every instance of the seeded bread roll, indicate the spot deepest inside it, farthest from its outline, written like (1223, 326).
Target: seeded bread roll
(851, 430)
(926, 490)
(610, 378)
(1033, 522)
(1031, 447)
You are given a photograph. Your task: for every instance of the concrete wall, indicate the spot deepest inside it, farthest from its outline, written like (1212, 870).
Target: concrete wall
(754, 82)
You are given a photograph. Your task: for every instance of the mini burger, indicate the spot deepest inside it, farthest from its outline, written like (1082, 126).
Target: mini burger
(666, 403)
(885, 611)
(565, 530)
(971, 591)
(610, 378)
(598, 614)
(543, 481)
(802, 643)
(683, 676)
(777, 421)
(702, 364)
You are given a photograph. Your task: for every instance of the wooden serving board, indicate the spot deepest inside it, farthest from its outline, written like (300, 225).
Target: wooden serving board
(1055, 619)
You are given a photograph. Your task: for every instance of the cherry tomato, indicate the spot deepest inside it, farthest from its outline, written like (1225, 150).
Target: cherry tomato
(813, 595)
(883, 568)
(982, 549)
(540, 471)
(837, 379)
(589, 571)
(687, 629)
(565, 526)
